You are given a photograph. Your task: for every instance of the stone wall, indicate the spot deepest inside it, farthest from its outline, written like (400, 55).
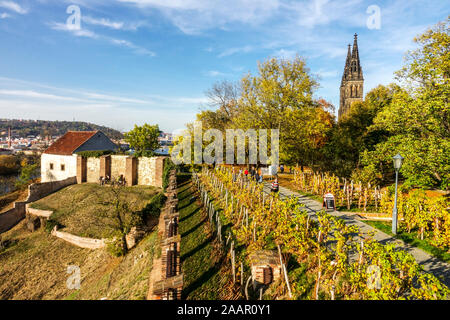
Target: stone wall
(118, 166)
(93, 170)
(38, 191)
(86, 243)
(166, 276)
(143, 171)
(38, 212)
(12, 217)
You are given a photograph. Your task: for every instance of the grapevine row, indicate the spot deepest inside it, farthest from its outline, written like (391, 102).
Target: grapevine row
(343, 264)
(417, 212)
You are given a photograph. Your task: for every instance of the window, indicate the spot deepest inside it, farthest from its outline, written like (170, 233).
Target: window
(51, 166)
(63, 167)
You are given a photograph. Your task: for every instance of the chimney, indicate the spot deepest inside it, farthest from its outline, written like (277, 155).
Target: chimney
(9, 137)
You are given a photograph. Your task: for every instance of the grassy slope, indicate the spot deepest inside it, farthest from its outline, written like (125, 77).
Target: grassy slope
(77, 207)
(35, 267)
(206, 276)
(7, 200)
(125, 278)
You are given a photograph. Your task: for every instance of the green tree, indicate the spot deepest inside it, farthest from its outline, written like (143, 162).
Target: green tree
(351, 137)
(417, 119)
(280, 97)
(9, 164)
(143, 139)
(120, 210)
(27, 173)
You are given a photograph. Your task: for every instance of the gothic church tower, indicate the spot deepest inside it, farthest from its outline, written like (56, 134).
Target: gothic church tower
(352, 85)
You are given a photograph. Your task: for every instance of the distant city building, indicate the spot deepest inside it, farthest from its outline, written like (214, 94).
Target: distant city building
(4, 151)
(352, 85)
(163, 151)
(59, 161)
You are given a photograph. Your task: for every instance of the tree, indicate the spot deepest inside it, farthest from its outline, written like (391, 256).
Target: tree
(143, 139)
(281, 97)
(223, 96)
(417, 119)
(351, 137)
(27, 173)
(307, 134)
(9, 165)
(123, 217)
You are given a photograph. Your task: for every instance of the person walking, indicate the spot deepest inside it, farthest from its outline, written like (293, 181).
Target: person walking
(252, 173)
(275, 186)
(260, 180)
(246, 173)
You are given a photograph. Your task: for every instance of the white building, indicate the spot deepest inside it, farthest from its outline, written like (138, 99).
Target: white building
(59, 161)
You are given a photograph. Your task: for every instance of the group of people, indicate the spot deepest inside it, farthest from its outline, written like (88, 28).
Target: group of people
(107, 180)
(254, 174)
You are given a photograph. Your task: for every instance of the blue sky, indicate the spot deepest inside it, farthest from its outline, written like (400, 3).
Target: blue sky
(137, 61)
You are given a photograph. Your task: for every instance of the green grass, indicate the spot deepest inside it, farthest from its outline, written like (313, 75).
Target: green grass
(35, 268)
(124, 278)
(310, 195)
(411, 239)
(202, 262)
(78, 208)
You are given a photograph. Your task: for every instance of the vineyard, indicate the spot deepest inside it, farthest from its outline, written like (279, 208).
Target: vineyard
(417, 212)
(337, 260)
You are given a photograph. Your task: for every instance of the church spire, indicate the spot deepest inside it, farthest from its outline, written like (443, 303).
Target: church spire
(347, 64)
(355, 52)
(355, 57)
(352, 85)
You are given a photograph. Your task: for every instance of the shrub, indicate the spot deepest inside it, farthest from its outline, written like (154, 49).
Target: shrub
(153, 209)
(50, 224)
(9, 165)
(115, 246)
(94, 154)
(168, 166)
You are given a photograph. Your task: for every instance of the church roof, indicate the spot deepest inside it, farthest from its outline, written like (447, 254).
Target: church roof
(68, 143)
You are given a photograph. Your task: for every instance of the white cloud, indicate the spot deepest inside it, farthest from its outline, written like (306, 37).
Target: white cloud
(195, 16)
(231, 51)
(28, 100)
(79, 33)
(90, 34)
(285, 54)
(137, 49)
(115, 98)
(215, 73)
(323, 73)
(13, 6)
(36, 95)
(103, 22)
(4, 15)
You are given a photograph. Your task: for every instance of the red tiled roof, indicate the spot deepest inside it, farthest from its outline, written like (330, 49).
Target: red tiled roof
(68, 143)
